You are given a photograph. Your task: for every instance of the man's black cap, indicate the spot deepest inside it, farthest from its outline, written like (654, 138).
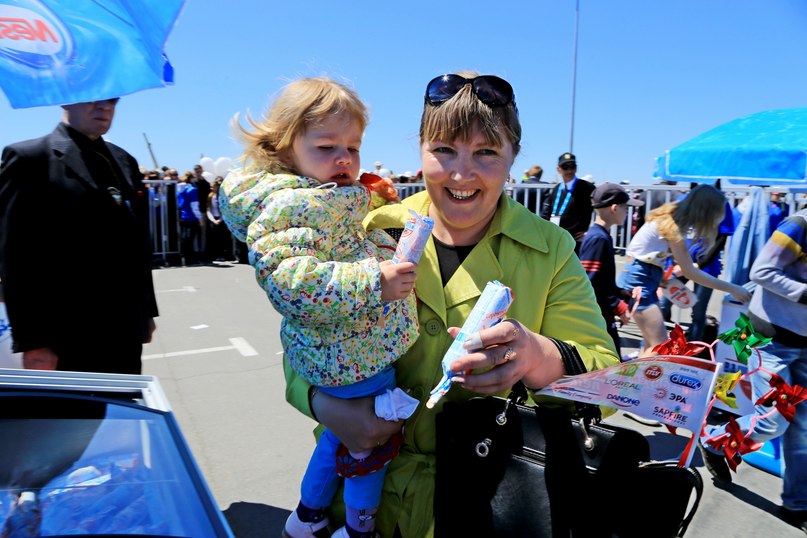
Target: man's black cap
(567, 158)
(609, 194)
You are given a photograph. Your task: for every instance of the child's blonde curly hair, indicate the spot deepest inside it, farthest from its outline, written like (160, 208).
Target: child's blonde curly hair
(300, 103)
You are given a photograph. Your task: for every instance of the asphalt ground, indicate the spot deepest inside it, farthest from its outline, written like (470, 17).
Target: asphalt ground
(218, 357)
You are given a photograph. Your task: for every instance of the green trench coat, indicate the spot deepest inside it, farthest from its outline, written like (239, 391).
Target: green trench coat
(552, 296)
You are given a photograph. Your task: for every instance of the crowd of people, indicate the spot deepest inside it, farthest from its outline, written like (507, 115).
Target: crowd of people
(195, 232)
(357, 326)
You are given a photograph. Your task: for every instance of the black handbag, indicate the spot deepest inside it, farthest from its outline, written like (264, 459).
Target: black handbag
(510, 470)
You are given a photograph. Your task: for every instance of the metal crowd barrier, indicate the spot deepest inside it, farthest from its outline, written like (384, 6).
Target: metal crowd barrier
(165, 234)
(532, 195)
(164, 220)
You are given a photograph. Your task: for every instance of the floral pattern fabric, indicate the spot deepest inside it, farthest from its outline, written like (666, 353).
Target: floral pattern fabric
(319, 268)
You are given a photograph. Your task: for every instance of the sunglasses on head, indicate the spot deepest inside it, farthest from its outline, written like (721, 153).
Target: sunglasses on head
(491, 90)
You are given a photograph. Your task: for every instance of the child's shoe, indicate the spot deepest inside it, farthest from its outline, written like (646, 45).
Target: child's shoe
(300, 529)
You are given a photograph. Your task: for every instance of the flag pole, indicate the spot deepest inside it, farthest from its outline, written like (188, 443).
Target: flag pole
(574, 72)
(153, 158)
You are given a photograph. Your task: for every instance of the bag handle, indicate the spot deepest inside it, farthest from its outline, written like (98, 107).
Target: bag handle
(587, 413)
(698, 484)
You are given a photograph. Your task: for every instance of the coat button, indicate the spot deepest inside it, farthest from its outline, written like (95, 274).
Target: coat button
(433, 326)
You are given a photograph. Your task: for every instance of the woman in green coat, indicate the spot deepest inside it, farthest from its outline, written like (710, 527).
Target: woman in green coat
(469, 137)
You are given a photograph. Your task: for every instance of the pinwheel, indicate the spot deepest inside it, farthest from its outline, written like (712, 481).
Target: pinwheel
(743, 338)
(724, 388)
(783, 396)
(733, 443)
(677, 344)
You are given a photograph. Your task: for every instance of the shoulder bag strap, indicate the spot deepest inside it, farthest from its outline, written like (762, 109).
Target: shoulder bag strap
(697, 483)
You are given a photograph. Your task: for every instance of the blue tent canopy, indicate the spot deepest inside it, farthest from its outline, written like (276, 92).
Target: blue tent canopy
(767, 148)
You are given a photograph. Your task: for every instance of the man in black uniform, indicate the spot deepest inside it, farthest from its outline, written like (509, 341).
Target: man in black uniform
(75, 258)
(569, 204)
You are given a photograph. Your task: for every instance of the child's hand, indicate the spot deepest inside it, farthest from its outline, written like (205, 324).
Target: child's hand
(622, 311)
(397, 279)
(381, 186)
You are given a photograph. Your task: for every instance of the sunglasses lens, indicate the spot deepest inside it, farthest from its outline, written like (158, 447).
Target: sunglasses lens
(493, 91)
(443, 88)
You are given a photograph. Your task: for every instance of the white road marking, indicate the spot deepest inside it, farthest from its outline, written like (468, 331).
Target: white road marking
(183, 288)
(243, 347)
(238, 344)
(197, 327)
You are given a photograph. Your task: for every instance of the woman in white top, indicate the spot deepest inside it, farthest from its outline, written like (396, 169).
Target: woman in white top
(663, 237)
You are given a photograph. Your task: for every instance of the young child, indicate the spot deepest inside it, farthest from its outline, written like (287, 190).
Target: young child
(663, 236)
(299, 208)
(610, 203)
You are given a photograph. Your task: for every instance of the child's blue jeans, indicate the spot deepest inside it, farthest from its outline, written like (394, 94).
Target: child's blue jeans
(321, 481)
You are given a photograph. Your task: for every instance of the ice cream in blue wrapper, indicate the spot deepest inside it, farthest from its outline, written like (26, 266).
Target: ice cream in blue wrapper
(490, 309)
(413, 241)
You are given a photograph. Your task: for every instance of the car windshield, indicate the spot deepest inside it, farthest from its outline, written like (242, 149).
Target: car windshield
(72, 465)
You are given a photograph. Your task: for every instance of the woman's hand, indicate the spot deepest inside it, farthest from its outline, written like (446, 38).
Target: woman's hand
(740, 293)
(354, 422)
(513, 353)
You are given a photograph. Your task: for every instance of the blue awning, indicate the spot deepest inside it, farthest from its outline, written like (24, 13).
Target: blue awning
(767, 148)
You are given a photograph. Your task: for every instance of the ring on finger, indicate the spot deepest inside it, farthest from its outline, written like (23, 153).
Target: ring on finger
(509, 353)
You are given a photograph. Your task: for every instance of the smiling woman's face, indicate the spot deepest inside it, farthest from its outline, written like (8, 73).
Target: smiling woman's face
(464, 180)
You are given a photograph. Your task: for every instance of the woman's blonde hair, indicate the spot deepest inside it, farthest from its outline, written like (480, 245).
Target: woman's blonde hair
(701, 212)
(300, 103)
(456, 119)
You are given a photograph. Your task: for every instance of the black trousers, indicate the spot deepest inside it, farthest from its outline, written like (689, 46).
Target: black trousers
(100, 356)
(188, 241)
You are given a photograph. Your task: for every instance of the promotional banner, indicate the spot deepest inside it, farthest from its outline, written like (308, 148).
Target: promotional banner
(55, 52)
(671, 389)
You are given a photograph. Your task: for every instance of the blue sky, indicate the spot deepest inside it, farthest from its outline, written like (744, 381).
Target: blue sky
(651, 74)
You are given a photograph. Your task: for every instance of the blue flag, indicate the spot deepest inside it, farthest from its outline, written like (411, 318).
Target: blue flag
(55, 52)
